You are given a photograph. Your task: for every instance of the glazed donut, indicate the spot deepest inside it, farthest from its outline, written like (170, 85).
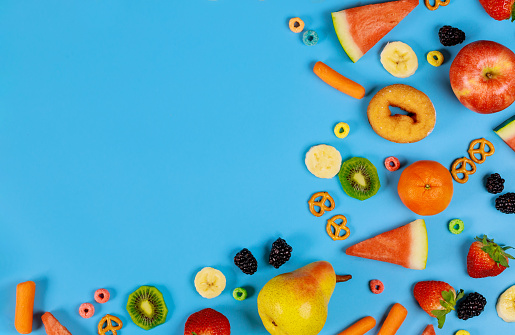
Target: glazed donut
(399, 128)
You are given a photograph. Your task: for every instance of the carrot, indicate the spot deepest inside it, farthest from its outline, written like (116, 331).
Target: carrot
(360, 327)
(336, 80)
(25, 293)
(394, 320)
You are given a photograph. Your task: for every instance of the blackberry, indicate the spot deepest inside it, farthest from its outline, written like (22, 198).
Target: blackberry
(280, 253)
(450, 36)
(246, 261)
(506, 203)
(494, 183)
(471, 306)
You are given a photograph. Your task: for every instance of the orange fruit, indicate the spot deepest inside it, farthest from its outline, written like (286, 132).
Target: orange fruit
(425, 187)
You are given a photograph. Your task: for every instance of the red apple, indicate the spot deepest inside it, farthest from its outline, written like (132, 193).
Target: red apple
(483, 76)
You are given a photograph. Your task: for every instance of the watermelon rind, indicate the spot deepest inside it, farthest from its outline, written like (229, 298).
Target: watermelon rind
(419, 245)
(506, 129)
(344, 36)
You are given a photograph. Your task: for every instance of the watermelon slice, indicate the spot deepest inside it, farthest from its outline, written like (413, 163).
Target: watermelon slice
(506, 131)
(405, 246)
(360, 28)
(430, 330)
(52, 326)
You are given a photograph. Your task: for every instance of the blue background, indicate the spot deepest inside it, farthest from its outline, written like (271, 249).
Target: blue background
(143, 140)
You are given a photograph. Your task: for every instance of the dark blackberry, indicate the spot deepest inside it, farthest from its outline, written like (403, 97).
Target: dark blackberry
(280, 253)
(494, 183)
(246, 261)
(506, 203)
(471, 306)
(450, 36)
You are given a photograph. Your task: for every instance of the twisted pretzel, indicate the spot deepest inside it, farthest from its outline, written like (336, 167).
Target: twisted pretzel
(437, 4)
(481, 150)
(108, 320)
(337, 228)
(462, 169)
(320, 203)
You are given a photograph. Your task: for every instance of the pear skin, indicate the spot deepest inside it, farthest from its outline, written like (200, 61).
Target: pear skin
(295, 303)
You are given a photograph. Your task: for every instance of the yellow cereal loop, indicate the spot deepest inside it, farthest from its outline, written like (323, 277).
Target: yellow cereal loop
(435, 58)
(341, 130)
(462, 332)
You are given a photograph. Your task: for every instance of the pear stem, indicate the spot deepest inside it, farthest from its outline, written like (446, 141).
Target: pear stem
(340, 278)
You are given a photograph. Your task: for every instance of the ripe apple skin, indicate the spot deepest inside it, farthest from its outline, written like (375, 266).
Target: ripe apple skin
(483, 76)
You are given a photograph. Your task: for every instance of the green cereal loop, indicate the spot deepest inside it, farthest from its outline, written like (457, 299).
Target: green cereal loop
(460, 225)
(239, 293)
(310, 37)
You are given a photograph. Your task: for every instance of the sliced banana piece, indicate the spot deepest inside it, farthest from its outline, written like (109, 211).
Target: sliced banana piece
(506, 305)
(399, 59)
(323, 161)
(209, 282)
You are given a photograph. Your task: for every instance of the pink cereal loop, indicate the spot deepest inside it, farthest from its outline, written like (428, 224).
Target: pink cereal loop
(388, 163)
(376, 286)
(101, 295)
(86, 310)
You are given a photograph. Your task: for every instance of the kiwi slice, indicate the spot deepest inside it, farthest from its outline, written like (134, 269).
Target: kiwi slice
(358, 177)
(147, 307)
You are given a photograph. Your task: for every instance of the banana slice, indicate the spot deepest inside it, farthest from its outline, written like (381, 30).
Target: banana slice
(209, 282)
(506, 305)
(323, 161)
(399, 59)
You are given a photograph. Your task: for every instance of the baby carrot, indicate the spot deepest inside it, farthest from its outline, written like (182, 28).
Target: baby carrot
(394, 320)
(360, 327)
(24, 307)
(336, 80)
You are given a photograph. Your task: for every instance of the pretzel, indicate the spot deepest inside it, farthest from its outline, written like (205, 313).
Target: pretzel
(437, 4)
(462, 169)
(320, 203)
(337, 228)
(108, 320)
(481, 150)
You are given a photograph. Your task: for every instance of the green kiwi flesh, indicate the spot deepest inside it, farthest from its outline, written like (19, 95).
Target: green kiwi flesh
(147, 307)
(359, 179)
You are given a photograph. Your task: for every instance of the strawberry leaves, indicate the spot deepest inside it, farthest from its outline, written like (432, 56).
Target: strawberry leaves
(448, 303)
(496, 252)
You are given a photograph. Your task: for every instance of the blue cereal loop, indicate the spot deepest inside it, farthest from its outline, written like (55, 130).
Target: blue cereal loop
(310, 37)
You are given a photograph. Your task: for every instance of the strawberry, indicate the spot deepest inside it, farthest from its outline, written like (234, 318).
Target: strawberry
(499, 9)
(437, 298)
(486, 258)
(207, 322)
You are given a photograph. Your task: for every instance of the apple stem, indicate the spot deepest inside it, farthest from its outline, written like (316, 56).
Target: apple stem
(340, 279)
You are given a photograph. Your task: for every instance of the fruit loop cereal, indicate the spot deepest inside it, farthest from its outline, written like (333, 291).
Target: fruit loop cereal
(462, 163)
(239, 293)
(320, 203)
(102, 295)
(86, 310)
(341, 130)
(296, 25)
(310, 37)
(376, 286)
(435, 58)
(454, 223)
(392, 163)
(337, 228)
(107, 321)
(437, 4)
(481, 150)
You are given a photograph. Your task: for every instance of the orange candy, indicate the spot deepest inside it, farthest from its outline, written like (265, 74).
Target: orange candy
(425, 187)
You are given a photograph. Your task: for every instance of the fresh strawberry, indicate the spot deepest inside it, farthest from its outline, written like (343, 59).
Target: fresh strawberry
(499, 9)
(486, 258)
(207, 322)
(437, 298)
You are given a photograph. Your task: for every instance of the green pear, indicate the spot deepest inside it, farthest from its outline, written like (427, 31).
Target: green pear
(295, 303)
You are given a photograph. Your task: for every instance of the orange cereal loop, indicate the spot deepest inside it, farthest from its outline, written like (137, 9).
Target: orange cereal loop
(331, 224)
(462, 163)
(320, 203)
(437, 4)
(296, 25)
(483, 143)
(106, 325)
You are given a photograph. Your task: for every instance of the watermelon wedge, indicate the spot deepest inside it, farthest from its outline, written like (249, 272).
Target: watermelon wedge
(52, 326)
(360, 28)
(430, 330)
(506, 131)
(405, 246)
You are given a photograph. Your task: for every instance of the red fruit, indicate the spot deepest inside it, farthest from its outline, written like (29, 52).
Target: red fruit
(207, 322)
(499, 9)
(52, 326)
(486, 258)
(436, 298)
(430, 330)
